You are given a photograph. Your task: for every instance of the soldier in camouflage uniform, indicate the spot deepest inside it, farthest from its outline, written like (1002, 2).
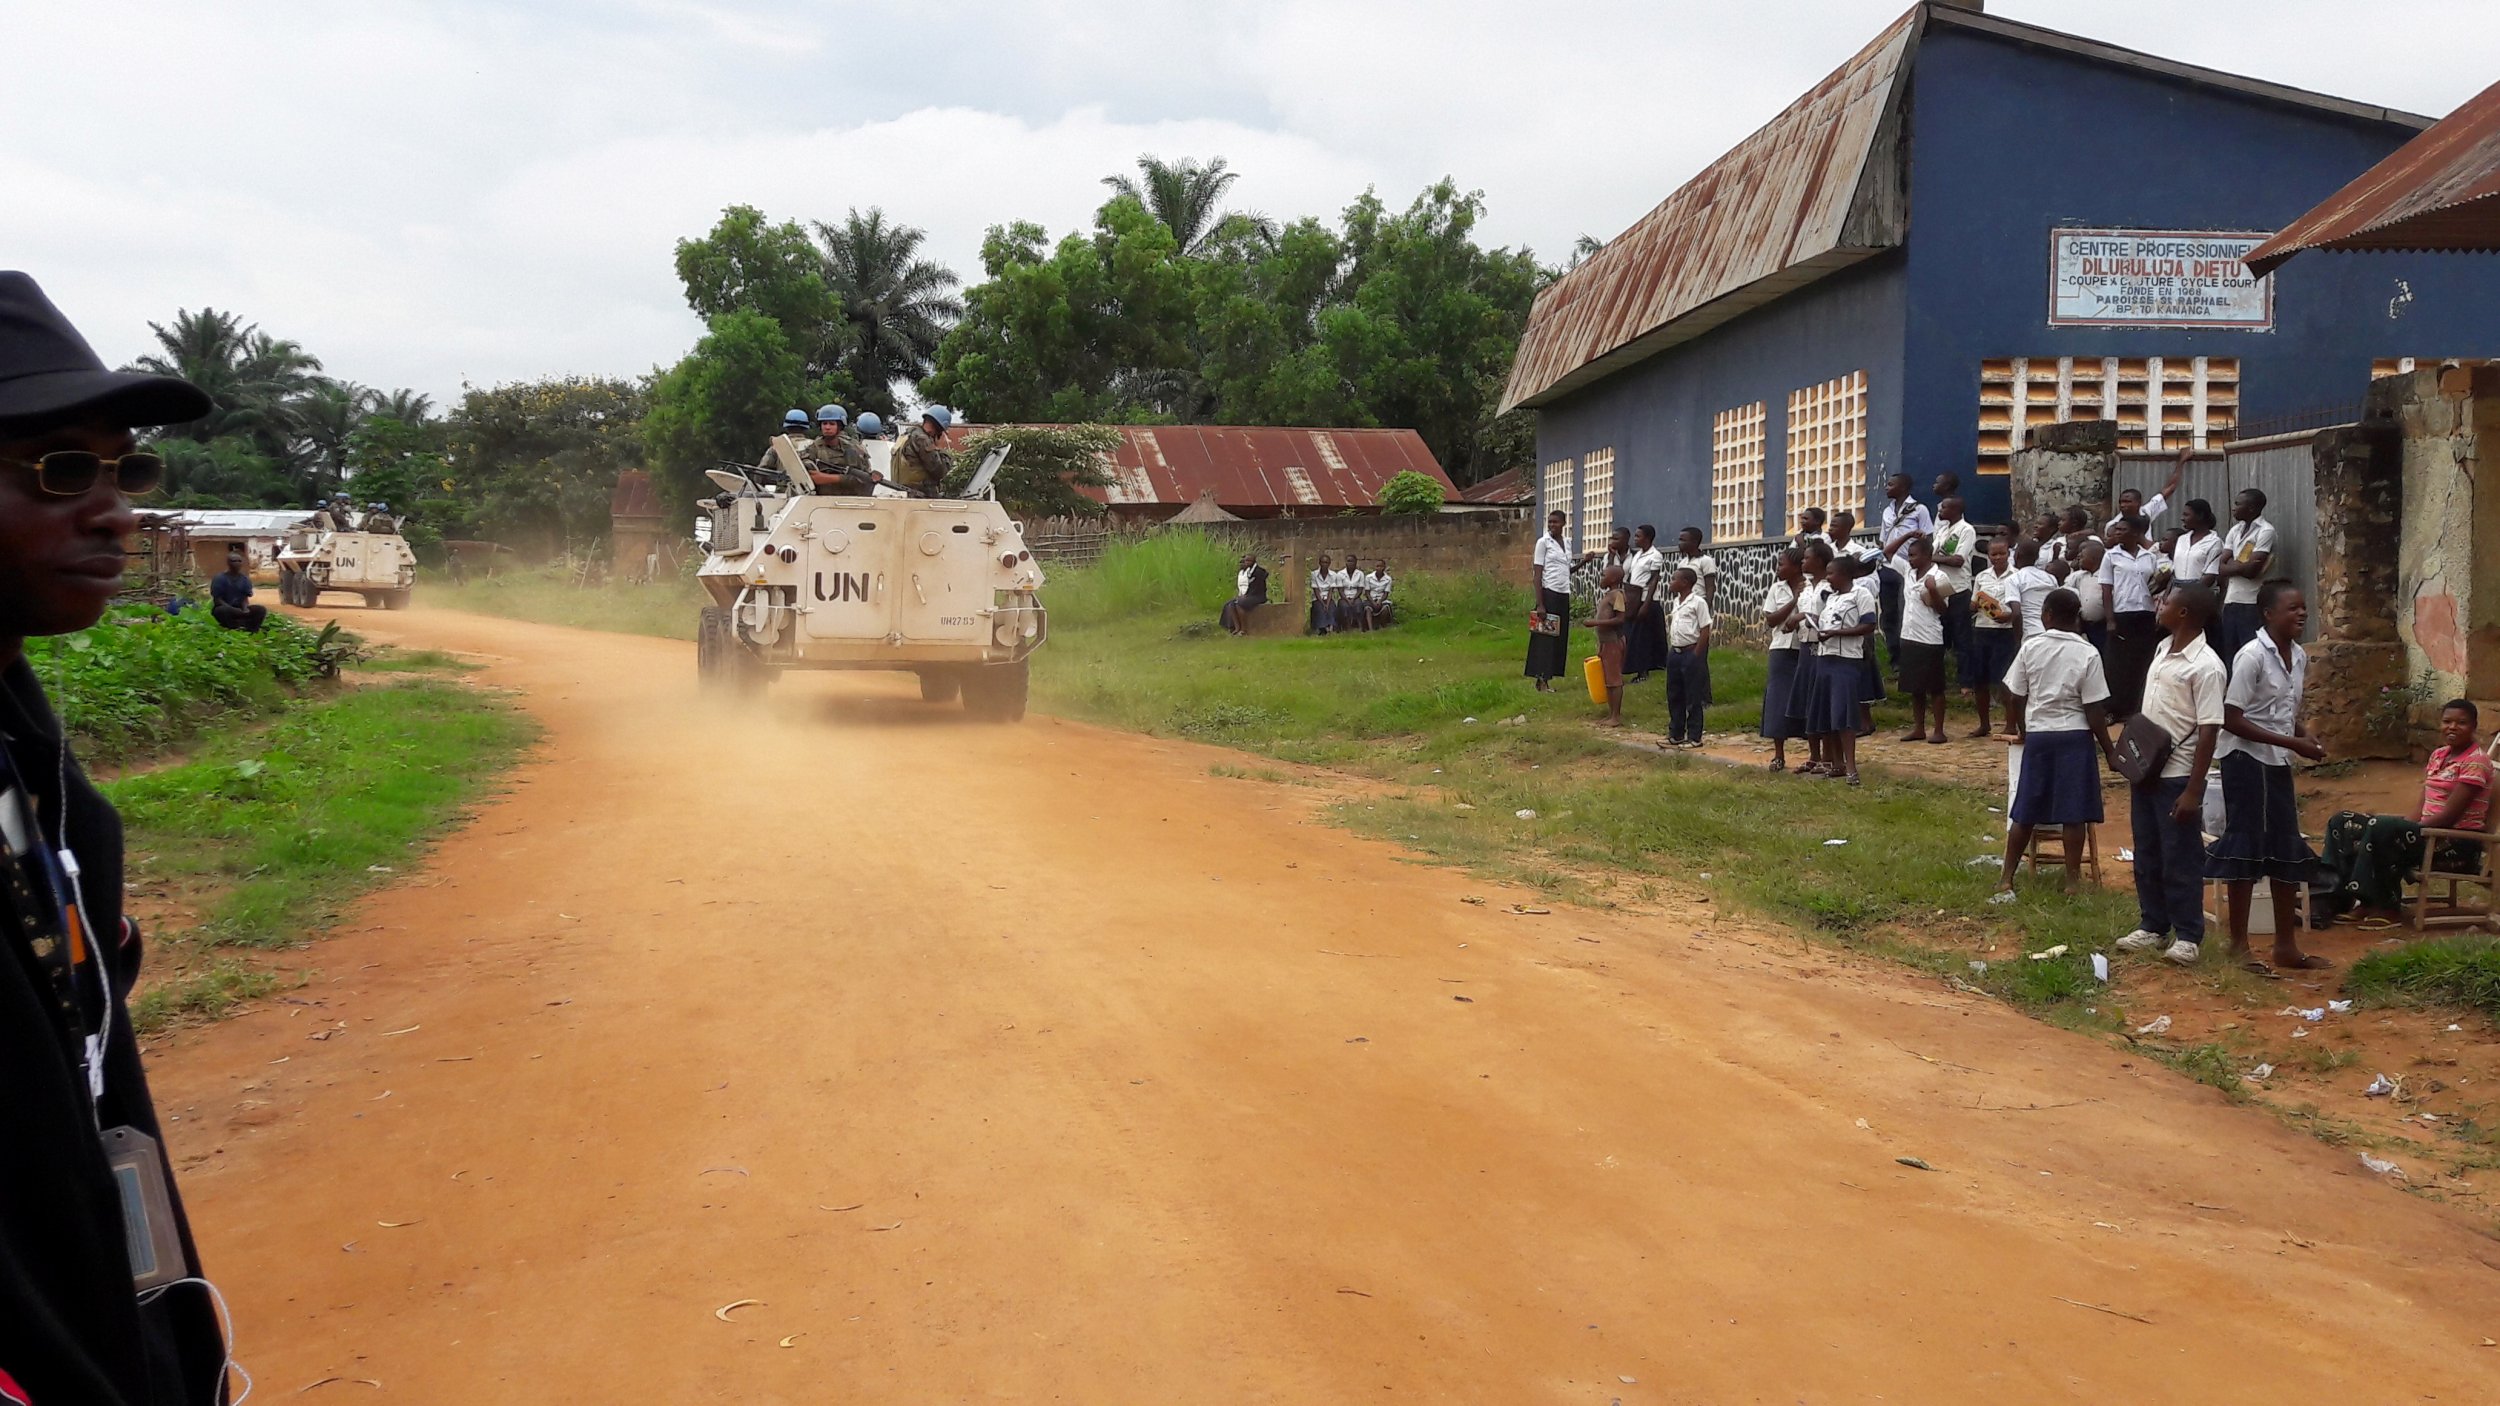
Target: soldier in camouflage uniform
(919, 465)
(834, 458)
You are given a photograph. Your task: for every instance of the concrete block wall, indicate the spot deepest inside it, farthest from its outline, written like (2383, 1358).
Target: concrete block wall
(2357, 659)
(2062, 465)
(1449, 543)
(2448, 555)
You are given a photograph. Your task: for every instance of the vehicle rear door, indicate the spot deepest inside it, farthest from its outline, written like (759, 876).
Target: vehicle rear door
(943, 585)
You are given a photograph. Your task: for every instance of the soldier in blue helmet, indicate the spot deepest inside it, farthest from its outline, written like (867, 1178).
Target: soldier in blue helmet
(834, 459)
(920, 465)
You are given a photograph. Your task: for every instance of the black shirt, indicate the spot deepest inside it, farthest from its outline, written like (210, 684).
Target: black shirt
(71, 1326)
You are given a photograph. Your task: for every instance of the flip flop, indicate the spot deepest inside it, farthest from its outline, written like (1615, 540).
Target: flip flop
(2256, 968)
(2309, 962)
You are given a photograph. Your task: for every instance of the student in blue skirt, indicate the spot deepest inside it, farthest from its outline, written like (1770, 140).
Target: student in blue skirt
(1779, 617)
(2056, 706)
(1848, 618)
(1998, 608)
(1812, 595)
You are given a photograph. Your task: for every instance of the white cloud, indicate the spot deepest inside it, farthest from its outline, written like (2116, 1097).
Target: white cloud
(427, 193)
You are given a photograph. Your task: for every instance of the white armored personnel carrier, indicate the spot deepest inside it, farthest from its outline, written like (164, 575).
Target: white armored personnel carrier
(378, 566)
(939, 587)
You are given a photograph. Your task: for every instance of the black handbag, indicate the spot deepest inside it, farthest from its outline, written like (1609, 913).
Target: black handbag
(2143, 745)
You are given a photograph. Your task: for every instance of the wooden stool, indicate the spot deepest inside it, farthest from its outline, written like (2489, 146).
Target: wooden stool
(2048, 848)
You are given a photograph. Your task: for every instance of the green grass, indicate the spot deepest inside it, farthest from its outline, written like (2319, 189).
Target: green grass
(281, 828)
(666, 608)
(142, 681)
(392, 660)
(2443, 971)
(1394, 705)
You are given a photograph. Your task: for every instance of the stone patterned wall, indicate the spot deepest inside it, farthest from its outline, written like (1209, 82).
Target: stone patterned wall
(2063, 465)
(2357, 674)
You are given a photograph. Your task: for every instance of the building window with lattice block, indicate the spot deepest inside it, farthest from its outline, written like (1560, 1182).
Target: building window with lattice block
(1827, 446)
(1560, 484)
(2159, 403)
(1736, 460)
(1597, 498)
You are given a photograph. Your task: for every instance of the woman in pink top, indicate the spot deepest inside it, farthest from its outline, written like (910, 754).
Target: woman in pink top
(2373, 855)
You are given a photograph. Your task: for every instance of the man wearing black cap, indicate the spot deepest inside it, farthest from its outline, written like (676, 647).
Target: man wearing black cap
(98, 1303)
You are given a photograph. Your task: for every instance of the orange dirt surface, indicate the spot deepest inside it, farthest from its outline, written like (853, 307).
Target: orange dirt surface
(1035, 1063)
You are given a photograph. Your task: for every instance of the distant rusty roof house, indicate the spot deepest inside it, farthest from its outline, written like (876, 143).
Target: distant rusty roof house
(1248, 471)
(1972, 228)
(2440, 191)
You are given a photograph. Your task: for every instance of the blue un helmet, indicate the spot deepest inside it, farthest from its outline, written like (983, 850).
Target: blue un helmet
(869, 425)
(831, 415)
(944, 417)
(796, 419)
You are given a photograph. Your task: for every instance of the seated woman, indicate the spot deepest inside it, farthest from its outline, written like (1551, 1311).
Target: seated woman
(2373, 855)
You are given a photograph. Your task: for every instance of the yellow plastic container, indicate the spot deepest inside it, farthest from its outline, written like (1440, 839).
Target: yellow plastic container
(1596, 671)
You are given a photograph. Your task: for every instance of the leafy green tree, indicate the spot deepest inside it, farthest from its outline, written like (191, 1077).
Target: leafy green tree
(898, 304)
(747, 264)
(1045, 466)
(1408, 493)
(723, 401)
(326, 417)
(536, 462)
(1185, 196)
(230, 472)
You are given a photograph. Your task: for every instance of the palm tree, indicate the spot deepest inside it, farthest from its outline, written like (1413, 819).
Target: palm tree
(262, 388)
(899, 305)
(326, 418)
(406, 406)
(1184, 195)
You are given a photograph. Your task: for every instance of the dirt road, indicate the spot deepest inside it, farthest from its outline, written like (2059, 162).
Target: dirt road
(1039, 1064)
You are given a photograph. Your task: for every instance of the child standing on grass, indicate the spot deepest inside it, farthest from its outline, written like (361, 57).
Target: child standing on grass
(1996, 618)
(2055, 697)
(1779, 617)
(2166, 812)
(1608, 623)
(1688, 658)
(2261, 815)
(1848, 618)
(1812, 595)
(1926, 596)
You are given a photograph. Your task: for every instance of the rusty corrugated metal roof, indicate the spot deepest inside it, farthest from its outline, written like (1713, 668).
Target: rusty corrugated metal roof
(1508, 486)
(1819, 187)
(2440, 191)
(1780, 203)
(1254, 466)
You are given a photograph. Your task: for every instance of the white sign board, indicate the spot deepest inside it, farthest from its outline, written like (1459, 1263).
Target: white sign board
(2156, 278)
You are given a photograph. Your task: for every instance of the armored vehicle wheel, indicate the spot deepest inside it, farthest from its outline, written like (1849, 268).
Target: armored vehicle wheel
(708, 632)
(996, 692)
(396, 600)
(939, 685)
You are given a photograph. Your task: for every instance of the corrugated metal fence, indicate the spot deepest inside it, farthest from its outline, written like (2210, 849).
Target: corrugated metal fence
(2283, 468)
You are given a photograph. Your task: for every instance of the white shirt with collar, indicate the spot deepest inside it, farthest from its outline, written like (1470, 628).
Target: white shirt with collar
(2267, 692)
(1687, 616)
(1780, 596)
(1381, 581)
(2129, 575)
(1241, 582)
(1922, 623)
(2034, 583)
(1844, 610)
(1811, 599)
(2183, 691)
(2006, 589)
(1900, 522)
(2057, 674)
(2246, 541)
(1553, 564)
(1959, 538)
(2194, 560)
(1649, 568)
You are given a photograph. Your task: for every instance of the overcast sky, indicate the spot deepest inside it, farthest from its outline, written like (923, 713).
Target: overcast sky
(426, 194)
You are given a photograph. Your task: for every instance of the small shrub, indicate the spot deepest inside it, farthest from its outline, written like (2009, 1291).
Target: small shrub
(1409, 493)
(142, 679)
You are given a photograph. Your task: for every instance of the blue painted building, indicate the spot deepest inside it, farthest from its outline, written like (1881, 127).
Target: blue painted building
(1973, 228)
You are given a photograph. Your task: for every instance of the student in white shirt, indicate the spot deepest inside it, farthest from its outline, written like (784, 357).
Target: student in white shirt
(1848, 618)
(2150, 509)
(1341, 612)
(1811, 527)
(1958, 552)
(1384, 610)
(1549, 625)
(1903, 517)
(1705, 567)
(2199, 547)
(1779, 619)
(1925, 596)
(1862, 558)
(1688, 657)
(2126, 588)
(2032, 576)
(2264, 730)
(1645, 639)
(2078, 567)
(1998, 608)
(1323, 614)
(1813, 593)
(2247, 553)
(2183, 695)
(2054, 694)
(1249, 593)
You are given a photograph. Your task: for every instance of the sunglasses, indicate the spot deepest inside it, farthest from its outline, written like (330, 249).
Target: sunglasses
(71, 473)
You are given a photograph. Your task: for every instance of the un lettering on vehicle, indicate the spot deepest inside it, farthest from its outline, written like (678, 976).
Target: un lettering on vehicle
(841, 585)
